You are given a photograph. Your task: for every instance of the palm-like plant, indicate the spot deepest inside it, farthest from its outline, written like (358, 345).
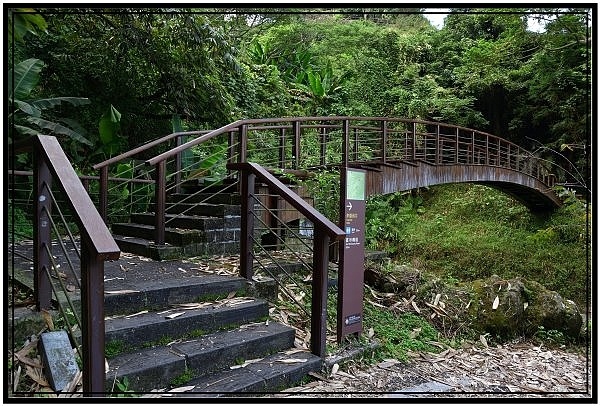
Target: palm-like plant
(26, 114)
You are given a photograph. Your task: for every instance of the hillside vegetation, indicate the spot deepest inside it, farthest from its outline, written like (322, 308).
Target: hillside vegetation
(467, 232)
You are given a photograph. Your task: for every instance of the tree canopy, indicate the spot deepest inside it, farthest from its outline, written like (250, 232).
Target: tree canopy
(484, 69)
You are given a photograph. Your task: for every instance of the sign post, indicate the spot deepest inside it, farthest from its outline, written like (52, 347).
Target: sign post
(352, 253)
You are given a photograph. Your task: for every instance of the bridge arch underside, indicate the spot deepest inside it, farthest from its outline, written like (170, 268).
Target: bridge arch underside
(524, 188)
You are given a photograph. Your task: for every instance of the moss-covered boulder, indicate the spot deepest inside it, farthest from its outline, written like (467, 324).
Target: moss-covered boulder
(520, 306)
(546, 308)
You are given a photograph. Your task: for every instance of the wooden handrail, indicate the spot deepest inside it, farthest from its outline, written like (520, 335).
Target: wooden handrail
(93, 229)
(97, 245)
(331, 229)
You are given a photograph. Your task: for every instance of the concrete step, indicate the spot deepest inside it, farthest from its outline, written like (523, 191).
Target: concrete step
(160, 292)
(164, 366)
(177, 236)
(156, 326)
(271, 374)
(182, 221)
(147, 248)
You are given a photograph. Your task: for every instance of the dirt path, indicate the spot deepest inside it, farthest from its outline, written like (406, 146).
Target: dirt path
(518, 369)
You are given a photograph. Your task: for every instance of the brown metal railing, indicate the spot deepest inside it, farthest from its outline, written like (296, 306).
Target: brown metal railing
(97, 245)
(324, 230)
(296, 143)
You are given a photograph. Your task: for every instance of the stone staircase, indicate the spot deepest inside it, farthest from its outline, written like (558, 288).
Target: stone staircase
(197, 332)
(196, 224)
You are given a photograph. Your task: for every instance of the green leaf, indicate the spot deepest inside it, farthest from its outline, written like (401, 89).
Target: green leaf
(25, 22)
(44, 104)
(26, 76)
(28, 108)
(58, 129)
(109, 125)
(316, 86)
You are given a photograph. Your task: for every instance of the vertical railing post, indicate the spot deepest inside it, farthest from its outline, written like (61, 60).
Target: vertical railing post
(243, 143)
(456, 148)
(323, 159)
(178, 168)
(487, 150)
(473, 147)
(230, 151)
(318, 322)
(414, 141)
(508, 157)
(282, 149)
(356, 144)
(437, 146)
(103, 195)
(42, 234)
(247, 223)
(92, 323)
(499, 154)
(384, 141)
(160, 196)
(345, 134)
(296, 152)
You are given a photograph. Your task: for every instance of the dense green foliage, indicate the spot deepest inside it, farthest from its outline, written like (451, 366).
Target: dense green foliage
(470, 232)
(484, 69)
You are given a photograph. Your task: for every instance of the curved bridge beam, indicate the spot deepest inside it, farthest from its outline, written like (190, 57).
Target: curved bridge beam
(527, 189)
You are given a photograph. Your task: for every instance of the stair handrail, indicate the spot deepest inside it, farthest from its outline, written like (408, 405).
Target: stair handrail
(97, 246)
(324, 231)
(104, 165)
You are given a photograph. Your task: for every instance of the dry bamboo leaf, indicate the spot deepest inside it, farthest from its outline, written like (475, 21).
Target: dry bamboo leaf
(496, 303)
(334, 369)
(182, 388)
(17, 377)
(36, 376)
(172, 316)
(47, 319)
(27, 361)
(437, 299)
(414, 305)
(182, 270)
(483, 341)
(231, 295)
(415, 332)
(292, 360)
(370, 333)
(117, 292)
(136, 314)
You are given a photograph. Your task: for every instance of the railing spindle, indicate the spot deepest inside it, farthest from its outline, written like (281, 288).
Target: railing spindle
(160, 198)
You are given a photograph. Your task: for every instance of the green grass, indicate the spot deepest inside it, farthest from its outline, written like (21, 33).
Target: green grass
(470, 232)
(400, 333)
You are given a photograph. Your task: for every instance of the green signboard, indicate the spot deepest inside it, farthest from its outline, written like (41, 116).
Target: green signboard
(355, 183)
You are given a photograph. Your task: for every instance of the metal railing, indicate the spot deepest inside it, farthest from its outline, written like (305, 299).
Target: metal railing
(324, 230)
(93, 245)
